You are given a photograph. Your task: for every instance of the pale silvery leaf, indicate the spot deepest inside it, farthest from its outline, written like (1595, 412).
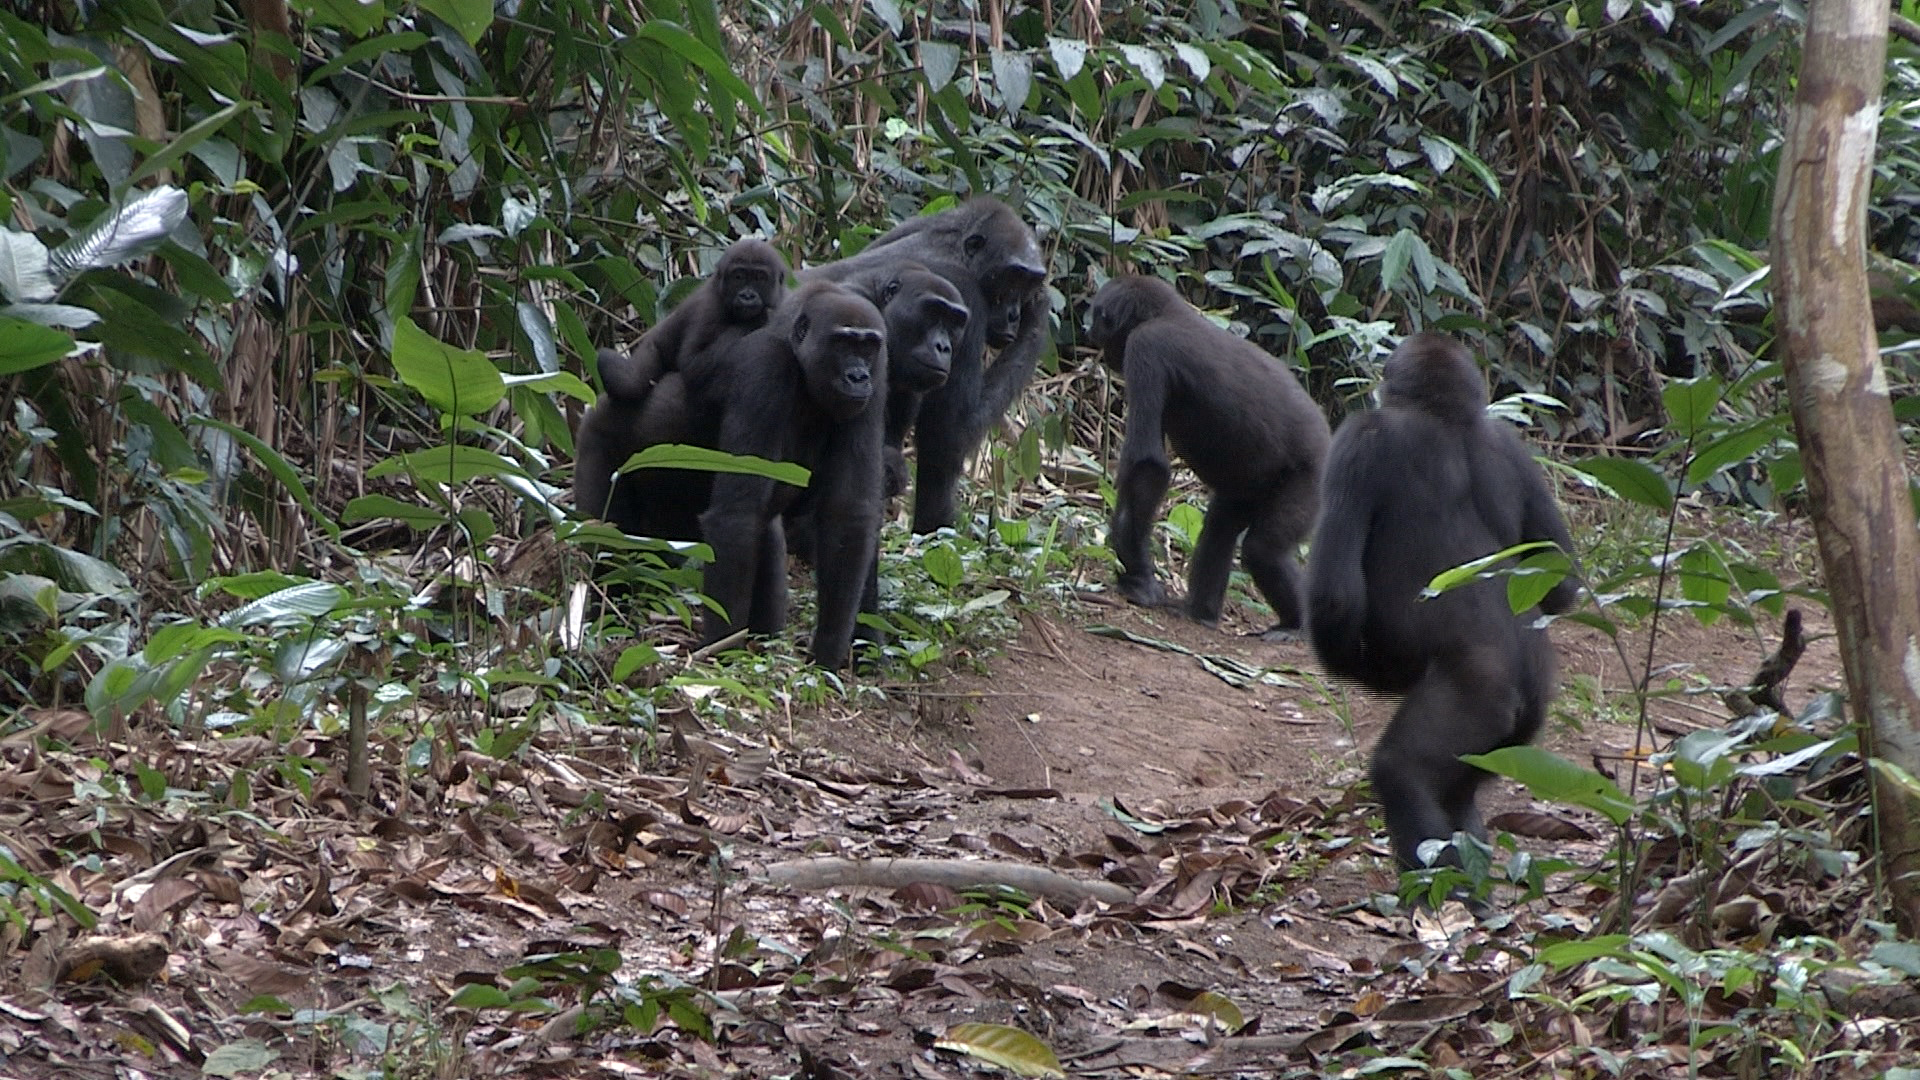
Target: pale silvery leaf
(124, 234)
(23, 267)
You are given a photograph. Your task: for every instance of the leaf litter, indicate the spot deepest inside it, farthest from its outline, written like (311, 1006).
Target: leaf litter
(600, 903)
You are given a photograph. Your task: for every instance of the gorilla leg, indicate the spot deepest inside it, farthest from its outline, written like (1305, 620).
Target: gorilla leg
(769, 613)
(1137, 507)
(941, 451)
(1270, 555)
(1458, 707)
(1213, 558)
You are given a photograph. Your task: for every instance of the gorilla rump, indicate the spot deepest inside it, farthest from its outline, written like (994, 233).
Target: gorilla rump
(1238, 418)
(982, 247)
(800, 389)
(1424, 483)
(747, 283)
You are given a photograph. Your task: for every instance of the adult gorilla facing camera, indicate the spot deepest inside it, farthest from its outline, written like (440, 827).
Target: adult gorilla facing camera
(984, 248)
(1238, 418)
(1425, 483)
(800, 389)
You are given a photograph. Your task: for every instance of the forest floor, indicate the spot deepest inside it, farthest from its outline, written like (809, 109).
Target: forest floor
(1207, 771)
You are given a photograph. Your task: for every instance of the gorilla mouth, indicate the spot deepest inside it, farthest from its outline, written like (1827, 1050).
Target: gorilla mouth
(850, 399)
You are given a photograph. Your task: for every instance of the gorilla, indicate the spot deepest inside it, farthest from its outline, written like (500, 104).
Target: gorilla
(926, 318)
(1424, 483)
(1238, 418)
(984, 248)
(799, 389)
(747, 283)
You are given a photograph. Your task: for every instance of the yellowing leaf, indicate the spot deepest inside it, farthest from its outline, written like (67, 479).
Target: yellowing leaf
(998, 1044)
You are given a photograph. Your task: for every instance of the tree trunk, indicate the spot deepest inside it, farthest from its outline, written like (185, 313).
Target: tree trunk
(1862, 512)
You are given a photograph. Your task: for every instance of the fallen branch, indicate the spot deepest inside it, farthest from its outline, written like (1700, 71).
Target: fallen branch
(1763, 692)
(827, 873)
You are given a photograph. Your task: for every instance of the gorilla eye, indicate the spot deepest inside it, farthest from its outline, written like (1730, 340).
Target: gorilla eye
(887, 294)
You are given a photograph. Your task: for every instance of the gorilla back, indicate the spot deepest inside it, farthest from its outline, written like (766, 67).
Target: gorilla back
(1424, 483)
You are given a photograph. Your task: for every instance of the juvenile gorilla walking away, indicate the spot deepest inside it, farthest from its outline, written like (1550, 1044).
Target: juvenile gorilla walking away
(1425, 483)
(1238, 418)
(802, 389)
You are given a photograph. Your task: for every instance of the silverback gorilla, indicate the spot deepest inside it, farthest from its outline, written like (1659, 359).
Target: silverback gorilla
(1424, 483)
(982, 247)
(1238, 418)
(799, 389)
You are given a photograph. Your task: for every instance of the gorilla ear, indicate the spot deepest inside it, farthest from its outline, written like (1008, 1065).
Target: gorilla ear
(974, 243)
(892, 290)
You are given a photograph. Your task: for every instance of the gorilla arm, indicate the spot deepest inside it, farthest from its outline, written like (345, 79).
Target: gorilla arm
(1014, 367)
(1336, 563)
(1541, 520)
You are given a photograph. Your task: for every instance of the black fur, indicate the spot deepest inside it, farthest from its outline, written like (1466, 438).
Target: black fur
(1238, 418)
(748, 282)
(984, 248)
(803, 389)
(1424, 483)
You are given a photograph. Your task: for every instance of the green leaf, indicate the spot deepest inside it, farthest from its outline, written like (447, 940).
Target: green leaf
(462, 382)
(1069, 56)
(719, 70)
(1690, 403)
(298, 603)
(187, 140)
(1634, 481)
(1460, 575)
(1396, 258)
(24, 274)
(1002, 1045)
(1733, 448)
(479, 996)
(1556, 779)
(470, 17)
(943, 565)
(1013, 77)
(678, 456)
(123, 235)
(632, 659)
(24, 346)
(565, 382)
(358, 17)
(412, 515)
(1562, 955)
(448, 465)
(1534, 578)
(939, 60)
(276, 465)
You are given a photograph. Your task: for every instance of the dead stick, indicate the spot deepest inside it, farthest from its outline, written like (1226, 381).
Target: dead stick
(825, 873)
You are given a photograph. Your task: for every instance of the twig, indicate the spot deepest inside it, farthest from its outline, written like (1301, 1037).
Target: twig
(826, 873)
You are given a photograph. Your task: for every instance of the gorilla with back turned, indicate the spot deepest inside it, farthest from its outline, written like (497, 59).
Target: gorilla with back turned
(1238, 418)
(1424, 483)
(984, 248)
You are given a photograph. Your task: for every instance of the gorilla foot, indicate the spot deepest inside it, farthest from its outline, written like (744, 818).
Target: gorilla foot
(1149, 593)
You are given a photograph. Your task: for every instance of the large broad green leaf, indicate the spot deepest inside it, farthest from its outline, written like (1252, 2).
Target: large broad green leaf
(462, 382)
(1556, 779)
(1631, 480)
(1690, 403)
(359, 17)
(307, 600)
(1733, 448)
(447, 465)
(470, 17)
(412, 515)
(718, 68)
(25, 346)
(124, 234)
(186, 141)
(677, 456)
